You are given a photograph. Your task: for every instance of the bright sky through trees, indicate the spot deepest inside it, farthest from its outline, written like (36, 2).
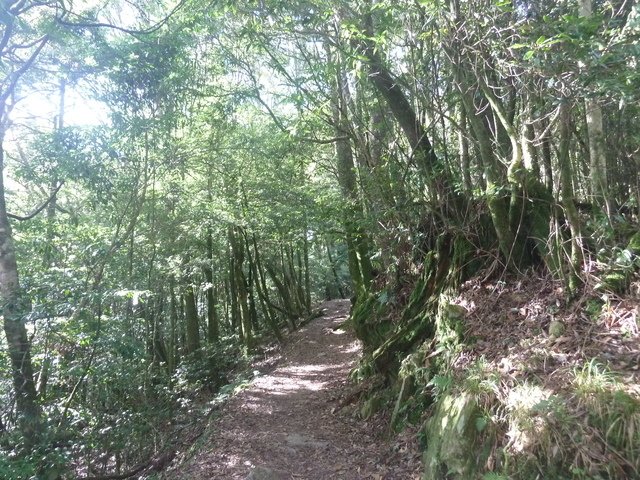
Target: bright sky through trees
(39, 109)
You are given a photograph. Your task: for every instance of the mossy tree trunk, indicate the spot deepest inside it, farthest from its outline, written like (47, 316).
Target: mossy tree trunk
(516, 200)
(444, 268)
(495, 188)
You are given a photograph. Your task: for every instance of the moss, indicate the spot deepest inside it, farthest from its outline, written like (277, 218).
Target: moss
(521, 221)
(593, 309)
(464, 261)
(537, 211)
(456, 447)
(498, 206)
(556, 329)
(418, 321)
(618, 278)
(419, 294)
(450, 321)
(615, 281)
(373, 405)
(369, 321)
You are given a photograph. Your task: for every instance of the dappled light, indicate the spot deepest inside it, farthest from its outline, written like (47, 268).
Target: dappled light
(291, 420)
(324, 239)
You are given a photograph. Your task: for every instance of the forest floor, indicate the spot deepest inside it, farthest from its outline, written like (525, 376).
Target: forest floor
(300, 419)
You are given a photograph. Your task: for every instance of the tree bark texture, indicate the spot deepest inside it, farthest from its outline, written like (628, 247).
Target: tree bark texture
(14, 309)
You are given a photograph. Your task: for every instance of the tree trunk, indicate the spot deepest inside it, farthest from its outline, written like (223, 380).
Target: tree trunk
(213, 322)
(160, 354)
(307, 273)
(284, 296)
(334, 272)
(541, 131)
(192, 322)
(595, 132)
(529, 152)
(260, 288)
(172, 360)
(249, 282)
(496, 200)
(241, 288)
(568, 203)
(357, 240)
(14, 308)
(260, 275)
(234, 308)
(463, 148)
(423, 153)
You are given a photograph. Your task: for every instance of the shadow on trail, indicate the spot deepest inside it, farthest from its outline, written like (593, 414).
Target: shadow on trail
(283, 423)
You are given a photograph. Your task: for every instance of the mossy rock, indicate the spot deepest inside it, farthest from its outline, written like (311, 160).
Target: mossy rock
(455, 447)
(372, 405)
(556, 329)
(450, 321)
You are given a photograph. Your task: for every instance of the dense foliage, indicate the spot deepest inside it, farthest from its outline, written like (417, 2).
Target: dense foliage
(244, 161)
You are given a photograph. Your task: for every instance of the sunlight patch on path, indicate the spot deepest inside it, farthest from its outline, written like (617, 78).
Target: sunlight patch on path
(285, 420)
(294, 378)
(351, 348)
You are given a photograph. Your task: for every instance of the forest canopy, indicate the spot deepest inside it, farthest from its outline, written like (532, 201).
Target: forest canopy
(183, 182)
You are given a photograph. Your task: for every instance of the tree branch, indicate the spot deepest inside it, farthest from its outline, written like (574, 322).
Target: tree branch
(39, 209)
(85, 23)
(15, 76)
(284, 129)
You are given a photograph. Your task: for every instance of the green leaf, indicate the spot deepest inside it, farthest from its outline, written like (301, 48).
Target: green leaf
(481, 424)
(383, 298)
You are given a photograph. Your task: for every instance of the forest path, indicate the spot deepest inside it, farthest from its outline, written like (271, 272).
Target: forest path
(289, 425)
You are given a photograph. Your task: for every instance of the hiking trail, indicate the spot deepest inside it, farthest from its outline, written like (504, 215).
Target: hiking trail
(297, 421)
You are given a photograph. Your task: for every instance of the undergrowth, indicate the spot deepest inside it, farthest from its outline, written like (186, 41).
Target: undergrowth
(544, 405)
(588, 430)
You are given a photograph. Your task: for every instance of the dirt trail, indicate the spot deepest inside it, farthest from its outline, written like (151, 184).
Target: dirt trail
(284, 426)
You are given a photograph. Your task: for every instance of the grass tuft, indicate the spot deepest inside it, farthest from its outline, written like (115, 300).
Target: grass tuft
(610, 423)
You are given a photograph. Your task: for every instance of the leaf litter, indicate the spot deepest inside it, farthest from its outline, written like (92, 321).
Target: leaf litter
(293, 422)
